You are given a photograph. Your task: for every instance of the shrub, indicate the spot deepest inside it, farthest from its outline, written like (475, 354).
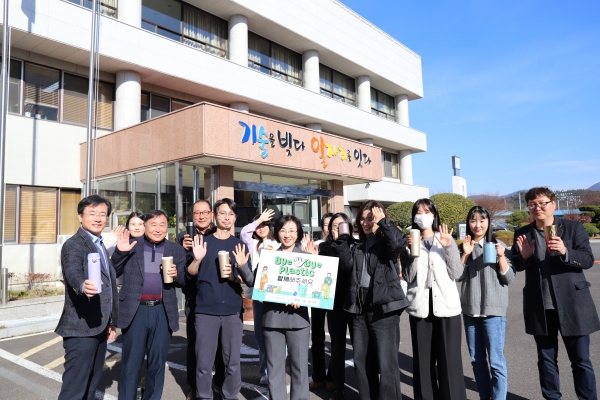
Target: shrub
(453, 208)
(518, 219)
(401, 213)
(595, 210)
(591, 229)
(505, 236)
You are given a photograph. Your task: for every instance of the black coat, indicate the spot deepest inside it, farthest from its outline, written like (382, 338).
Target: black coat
(130, 264)
(387, 293)
(576, 310)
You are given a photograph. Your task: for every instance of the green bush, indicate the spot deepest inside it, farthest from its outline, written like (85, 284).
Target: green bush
(401, 213)
(591, 229)
(505, 236)
(453, 208)
(518, 219)
(595, 210)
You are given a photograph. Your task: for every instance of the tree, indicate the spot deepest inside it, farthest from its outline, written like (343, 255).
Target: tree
(401, 213)
(453, 208)
(518, 218)
(591, 229)
(493, 202)
(592, 209)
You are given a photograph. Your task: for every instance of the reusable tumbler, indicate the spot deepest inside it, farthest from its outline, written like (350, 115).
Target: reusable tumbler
(223, 261)
(167, 262)
(343, 229)
(489, 253)
(94, 270)
(549, 233)
(415, 247)
(190, 229)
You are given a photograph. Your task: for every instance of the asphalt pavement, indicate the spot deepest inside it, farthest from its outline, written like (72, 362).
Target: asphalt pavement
(31, 366)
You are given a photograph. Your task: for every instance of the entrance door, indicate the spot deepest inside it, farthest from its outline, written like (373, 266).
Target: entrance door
(283, 204)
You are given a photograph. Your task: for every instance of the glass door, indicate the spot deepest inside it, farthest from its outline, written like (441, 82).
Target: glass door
(284, 204)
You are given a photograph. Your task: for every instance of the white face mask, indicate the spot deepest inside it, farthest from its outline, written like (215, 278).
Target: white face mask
(424, 220)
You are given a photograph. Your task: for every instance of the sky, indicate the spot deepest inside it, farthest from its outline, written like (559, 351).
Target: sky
(511, 87)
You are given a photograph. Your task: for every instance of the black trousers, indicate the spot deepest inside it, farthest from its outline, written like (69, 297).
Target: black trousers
(317, 326)
(338, 322)
(84, 361)
(437, 342)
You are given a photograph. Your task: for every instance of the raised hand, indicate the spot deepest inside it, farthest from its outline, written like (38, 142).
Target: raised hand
(240, 255)
(526, 248)
(187, 243)
(304, 242)
(116, 231)
(378, 215)
(468, 244)
(266, 215)
(123, 243)
(445, 238)
(199, 248)
(311, 248)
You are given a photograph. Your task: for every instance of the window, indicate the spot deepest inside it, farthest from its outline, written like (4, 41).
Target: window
(273, 59)
(159, 106)
(389, 162)
(69, 221)
(38, 215)
(107, 7)
(145, 111)
(162, 17)
(337, 85)
(41, 92)
(154, 106)
(14, 87)
(204, 31)
(10, 214)
(179, 104)
(382, 104)
(75, 101)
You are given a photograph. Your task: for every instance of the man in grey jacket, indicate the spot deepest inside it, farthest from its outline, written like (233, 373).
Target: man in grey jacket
(557, 295)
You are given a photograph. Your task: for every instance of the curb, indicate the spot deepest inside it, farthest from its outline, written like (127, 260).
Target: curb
(27, 326)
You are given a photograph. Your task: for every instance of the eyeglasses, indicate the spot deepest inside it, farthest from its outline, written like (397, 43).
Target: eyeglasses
(224, 214)
(94, 215)
(542, 205)
(288, 232)
(204, 213)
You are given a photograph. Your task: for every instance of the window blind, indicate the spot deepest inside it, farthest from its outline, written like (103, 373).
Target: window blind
(69, 223)
(38, 215)
(75, 101)
(10, 214)
(41, 85)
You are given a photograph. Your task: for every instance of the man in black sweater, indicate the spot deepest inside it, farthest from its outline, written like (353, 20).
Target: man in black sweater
(557, 295)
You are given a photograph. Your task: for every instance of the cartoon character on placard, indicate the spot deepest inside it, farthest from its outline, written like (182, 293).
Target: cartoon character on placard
(264, 278)
(302, 290)
(326, 286)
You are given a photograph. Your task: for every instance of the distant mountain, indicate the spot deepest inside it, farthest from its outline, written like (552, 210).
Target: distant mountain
(595, 187)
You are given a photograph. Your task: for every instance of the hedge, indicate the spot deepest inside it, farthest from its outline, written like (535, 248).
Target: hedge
(401, 213)
(591, 229)
(453, 208)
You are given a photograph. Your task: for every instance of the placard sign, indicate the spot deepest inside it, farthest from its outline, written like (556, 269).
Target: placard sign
(285, 278)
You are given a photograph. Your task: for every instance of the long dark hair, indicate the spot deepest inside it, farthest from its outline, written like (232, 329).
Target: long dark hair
(369, 205)
(336, 216)
(269, 236)
(430, 205)
(287, 218)
(134, 215)
(481, 211)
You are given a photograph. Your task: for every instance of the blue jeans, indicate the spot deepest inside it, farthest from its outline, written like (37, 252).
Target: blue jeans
(257, 308)
(485, 338)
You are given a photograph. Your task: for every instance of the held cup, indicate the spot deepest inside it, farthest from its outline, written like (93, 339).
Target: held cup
(94, 270)
(489, 253)
(223, 261)
(549, 233)
(190, 229)
(167, 262)
(343, 229)
(415, 247)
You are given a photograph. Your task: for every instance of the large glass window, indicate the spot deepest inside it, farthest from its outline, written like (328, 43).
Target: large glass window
(337, 85)
(41, 92)
(162, 17)
(179, 104)
(382, 104)
(118, 191)
(14, 87)
(10, 214)
(107, 7)
(145, 191)
(273, 59)
(75, 95)
(168, 200)
(69, 221)
(159, 106)
(204, 31)
(389, 162)
(145, 110)
(38, 215)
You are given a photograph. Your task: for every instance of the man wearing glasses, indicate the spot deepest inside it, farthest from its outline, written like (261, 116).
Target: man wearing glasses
(202, 216)
(557, 295)
(90, 313)
(218, 311)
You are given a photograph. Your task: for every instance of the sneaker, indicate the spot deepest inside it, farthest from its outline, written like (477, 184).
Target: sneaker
(264, 380)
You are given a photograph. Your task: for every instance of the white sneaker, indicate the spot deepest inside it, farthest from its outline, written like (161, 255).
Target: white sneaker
(264, 380)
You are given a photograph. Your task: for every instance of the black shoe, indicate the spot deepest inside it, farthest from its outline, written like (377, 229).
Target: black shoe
(191, 394)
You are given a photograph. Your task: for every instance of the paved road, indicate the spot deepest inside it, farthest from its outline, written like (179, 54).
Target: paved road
(30, 367)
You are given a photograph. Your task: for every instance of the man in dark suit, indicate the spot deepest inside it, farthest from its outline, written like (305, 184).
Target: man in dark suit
(89, 318)
(557, 296)
(148, 312)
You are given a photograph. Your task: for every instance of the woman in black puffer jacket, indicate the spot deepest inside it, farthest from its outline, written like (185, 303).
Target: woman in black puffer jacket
(375, 300)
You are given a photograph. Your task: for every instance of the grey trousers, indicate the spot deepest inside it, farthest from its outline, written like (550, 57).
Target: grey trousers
(207, 335)
(297, 347)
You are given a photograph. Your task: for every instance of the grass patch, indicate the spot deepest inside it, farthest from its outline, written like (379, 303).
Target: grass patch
(33, 294)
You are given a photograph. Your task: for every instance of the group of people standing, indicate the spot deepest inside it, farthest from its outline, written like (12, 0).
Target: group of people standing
(373, 262)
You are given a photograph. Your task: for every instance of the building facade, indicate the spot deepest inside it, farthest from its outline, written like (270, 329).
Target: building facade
(297, 105)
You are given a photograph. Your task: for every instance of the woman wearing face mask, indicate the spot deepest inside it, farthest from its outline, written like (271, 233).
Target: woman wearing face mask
(257, 236)
(374, 299)
(484, 300)
(434, 308)
(283, 324)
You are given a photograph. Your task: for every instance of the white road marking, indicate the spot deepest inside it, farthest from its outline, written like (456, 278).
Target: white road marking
(41, 347)
(44, 371)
